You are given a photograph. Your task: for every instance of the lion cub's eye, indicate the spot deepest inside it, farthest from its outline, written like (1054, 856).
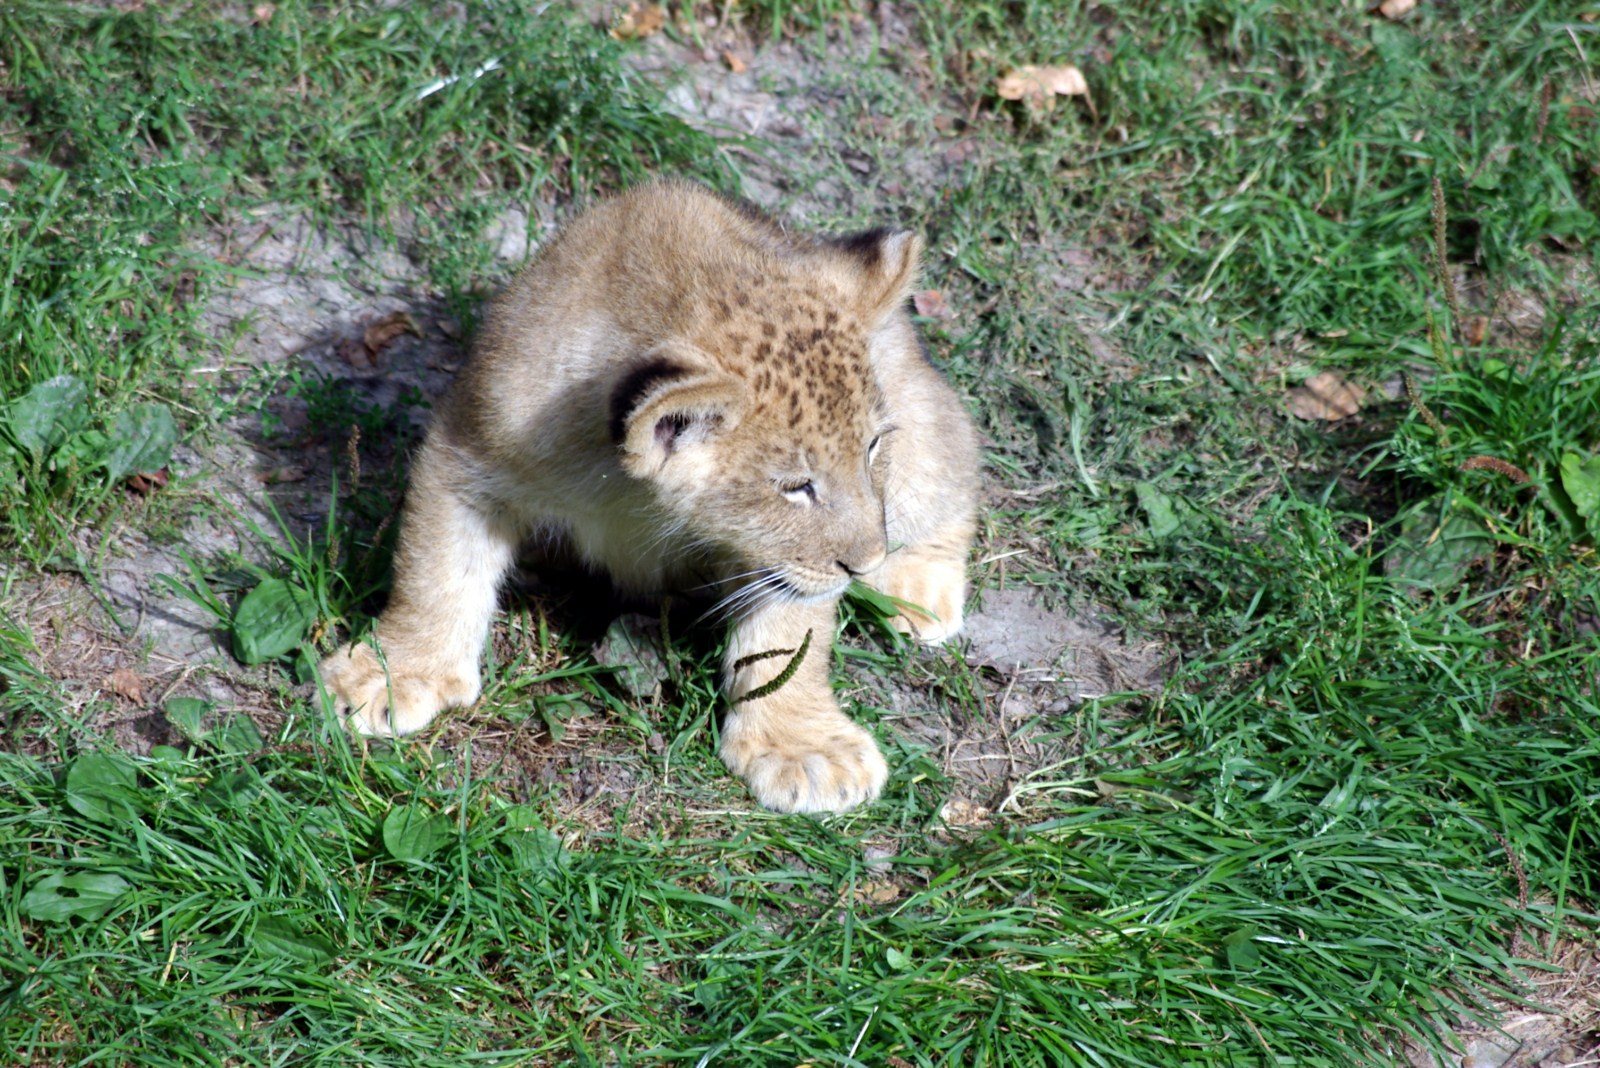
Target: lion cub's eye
(800, 492)
(877, 439)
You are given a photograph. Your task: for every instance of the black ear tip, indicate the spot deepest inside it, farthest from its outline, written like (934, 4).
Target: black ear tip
(866, 246)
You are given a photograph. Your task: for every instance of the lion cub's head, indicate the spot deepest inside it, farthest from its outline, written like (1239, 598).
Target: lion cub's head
(762, 427)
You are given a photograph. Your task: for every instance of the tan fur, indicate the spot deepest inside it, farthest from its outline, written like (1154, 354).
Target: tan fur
(689, 393)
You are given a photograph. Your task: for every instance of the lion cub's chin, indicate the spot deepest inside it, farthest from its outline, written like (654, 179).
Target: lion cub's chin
(673, 354)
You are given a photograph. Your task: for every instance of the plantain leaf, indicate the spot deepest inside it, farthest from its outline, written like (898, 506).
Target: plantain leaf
(143, 437)
(413, 832)
(271, 621)
(58, 898)
(48, 414)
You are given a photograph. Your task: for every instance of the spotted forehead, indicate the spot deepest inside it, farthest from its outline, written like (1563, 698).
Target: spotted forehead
(806, 362)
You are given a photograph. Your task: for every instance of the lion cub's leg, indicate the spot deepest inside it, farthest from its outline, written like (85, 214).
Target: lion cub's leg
(931, 574)
(795, 748)
(447, 572)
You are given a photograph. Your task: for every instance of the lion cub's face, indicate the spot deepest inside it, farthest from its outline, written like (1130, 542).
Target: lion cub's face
(782, 471)
(762, 425)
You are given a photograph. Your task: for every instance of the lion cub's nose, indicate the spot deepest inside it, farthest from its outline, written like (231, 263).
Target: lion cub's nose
(864, 561)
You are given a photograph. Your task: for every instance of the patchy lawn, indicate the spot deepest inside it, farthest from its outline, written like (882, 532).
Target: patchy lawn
(1273, 738)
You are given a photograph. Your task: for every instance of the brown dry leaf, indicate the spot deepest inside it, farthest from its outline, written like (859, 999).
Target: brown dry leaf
(958, 812)
(126, 684)
(876, 893)
(960, 151)
(1392, 9)
(733, 62)
(931, 303)
(640, 20)
(1037, 87)
(381, 332)
(145, 483)
(355, 353)
(1326, 397)
(279, 475)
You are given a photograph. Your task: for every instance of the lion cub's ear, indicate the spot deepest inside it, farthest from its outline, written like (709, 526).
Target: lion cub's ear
(879, 268)
(673, 399)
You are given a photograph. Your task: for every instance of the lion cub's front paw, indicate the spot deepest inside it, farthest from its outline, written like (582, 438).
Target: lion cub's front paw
(394, 702)
(937, 586)
(826, 767)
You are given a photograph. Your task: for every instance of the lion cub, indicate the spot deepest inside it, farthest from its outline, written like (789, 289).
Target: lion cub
(695, 398)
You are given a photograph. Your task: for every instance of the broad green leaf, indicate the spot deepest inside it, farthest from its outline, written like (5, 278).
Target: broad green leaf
(536, 851)
(1436, 555)
(1239, 950)
(897, 959)
(414, 832)
(102, 786)
(1581, 479)
(48, 414)
(187, 715)
(1160, 509)
(87, 448)
(280, 936)
(271, 620)
(239, 735)
(236, 790)
(57, 898)
(142, 439)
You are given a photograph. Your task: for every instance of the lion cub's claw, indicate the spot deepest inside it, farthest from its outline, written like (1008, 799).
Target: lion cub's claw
(829, 770)
(380, 703)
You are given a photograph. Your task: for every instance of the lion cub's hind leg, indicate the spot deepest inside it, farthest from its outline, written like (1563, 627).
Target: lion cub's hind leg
(447, 573)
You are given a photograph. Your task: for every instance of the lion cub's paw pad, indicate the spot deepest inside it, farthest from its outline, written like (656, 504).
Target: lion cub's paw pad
(831, 774)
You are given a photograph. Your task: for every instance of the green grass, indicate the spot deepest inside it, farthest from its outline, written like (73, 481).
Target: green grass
(1308, 847)
(125, 133)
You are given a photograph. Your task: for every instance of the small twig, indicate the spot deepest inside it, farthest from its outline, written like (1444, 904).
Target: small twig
(778, 680)
(1545, 96)
(1423, 410)
(377, 536)
(1518, 944)
(1441, 264)
(352, 458)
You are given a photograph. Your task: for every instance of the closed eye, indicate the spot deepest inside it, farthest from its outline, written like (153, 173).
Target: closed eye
(877, 440)
(799, 492)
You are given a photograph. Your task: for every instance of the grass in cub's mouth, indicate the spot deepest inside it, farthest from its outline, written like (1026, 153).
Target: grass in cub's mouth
(1362, 802)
